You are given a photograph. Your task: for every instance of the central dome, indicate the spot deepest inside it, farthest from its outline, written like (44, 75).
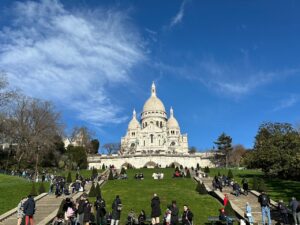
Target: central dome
(153, 103)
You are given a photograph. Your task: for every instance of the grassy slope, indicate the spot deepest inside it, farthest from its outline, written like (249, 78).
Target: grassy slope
(137, 194)
(84, 173)
(12, 189)
(277, 188)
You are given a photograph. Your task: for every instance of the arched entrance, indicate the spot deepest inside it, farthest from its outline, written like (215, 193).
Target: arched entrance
(150, 164)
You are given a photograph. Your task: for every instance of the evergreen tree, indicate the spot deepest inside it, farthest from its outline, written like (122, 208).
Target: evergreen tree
(92, 192)
(206, 169)
(69, 178)
(229, 210)
(224, 147)
(33, 191)
(188, 174)
(201, 189)
(230, 174)
(173, 165)
(97, 190)
(176, 169)
(42, 188)
(198, 166)
(110, 176)
(181, 167)
(103, 167)
(123, 171)
(94, 173)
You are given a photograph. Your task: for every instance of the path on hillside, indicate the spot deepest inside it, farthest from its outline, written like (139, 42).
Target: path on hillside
(47, 207)
(239, 203)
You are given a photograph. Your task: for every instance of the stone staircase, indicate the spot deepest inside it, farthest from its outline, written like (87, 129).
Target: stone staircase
(239, 203)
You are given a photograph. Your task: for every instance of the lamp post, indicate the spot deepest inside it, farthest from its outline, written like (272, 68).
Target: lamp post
(36, 162)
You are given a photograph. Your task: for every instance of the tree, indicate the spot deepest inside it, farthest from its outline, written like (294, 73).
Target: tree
(198, 166)
(236, 155)
(6, 94)
(94, 173)
(201, 188)
(69, 178)
(92, 192)
(188, 174)
(277, 150)
(42, 188)
(112, 148)
(206, 169)
(95, 146)
(33, 191)
(224, 147)
(97, 190)
(103, 167)
(78, 155)
(229, 210)
(230, 174)
(110, 176)
(192, 150)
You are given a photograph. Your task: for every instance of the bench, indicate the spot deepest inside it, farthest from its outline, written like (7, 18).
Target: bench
(216, 220)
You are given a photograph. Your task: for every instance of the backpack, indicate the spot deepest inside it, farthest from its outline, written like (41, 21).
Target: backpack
(264, 201)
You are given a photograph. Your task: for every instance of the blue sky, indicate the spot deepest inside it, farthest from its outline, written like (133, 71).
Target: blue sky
(224, 66)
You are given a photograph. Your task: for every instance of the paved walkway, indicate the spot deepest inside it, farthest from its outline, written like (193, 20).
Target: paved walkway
(240, 202)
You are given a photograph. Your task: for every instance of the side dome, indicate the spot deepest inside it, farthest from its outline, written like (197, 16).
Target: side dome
(134, 123)
(172, 122)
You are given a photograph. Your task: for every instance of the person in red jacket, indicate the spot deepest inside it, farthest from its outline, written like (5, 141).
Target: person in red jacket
(225, 201)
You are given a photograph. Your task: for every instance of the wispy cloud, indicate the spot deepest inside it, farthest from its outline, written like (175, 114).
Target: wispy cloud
(70, 57)
(287, 103)
(233, 80)
(180, 14)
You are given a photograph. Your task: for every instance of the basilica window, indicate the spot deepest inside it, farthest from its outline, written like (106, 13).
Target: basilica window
(160, 124)
(151, 138)
(157, 123)
(145, 124)
(133, 133)
(144, 143)
(172, 143)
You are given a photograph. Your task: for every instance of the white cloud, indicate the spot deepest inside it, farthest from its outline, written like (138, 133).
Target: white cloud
(287, 103)
(70, 57)
(179, 16)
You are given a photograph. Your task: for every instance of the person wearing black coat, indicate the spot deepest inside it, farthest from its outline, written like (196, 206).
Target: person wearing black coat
(100, 210)
(187, 216)
(116, 211)
(283, 212)
(174, 213)
(87, 211)
(156, 211)
(29, 210)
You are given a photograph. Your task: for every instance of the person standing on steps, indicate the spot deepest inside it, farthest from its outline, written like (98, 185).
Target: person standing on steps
(20, 212)
(294, 204)
(29, 210)
(264, 201)
(249, 213)
(155, 209)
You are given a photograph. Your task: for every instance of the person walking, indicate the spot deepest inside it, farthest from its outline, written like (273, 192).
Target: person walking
(155, 209)
(116, 211)
(187, 216)
(294, 204)
(264, 201)
(174, 213)
(100, 210)
(29, 210)
(249, 213)
(283, 212)
(20, 211)
(225, 200)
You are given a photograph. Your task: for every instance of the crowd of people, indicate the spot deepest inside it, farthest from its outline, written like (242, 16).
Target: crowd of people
(219, 182)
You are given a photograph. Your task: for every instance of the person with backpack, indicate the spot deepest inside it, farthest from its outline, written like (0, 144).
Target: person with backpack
(80, 209)
(264, 201)
(29, 210)
(187, 216)
(283, 212)
(100, 210)
(295, 206)
(116, 211)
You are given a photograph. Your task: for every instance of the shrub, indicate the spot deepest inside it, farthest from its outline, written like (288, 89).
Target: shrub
(92, 192)
(42, 188)
(201, 189)
(188, 174)
(230, 174)
(181, 167)
(198, 166)
(123, 171)
(94, 173)
(110, 176)
(33, 191)
(69, 178)
(173, 165)
(97, 190)
(103, 167)
(229, 210)
(206, 169)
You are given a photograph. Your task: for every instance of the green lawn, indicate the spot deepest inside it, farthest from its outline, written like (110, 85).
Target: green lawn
(12, 189)
(136, 194)
(84, 173)
(277, 188)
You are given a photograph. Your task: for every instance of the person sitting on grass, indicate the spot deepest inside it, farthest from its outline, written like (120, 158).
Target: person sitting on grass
(224, 217)
(142, 218)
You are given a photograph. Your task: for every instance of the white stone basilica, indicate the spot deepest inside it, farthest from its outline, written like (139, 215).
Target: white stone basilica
(154, 141)
(155, 134)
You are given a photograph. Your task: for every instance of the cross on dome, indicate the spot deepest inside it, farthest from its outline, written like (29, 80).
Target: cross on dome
(134, 114)
(153, 89)
(171, 112)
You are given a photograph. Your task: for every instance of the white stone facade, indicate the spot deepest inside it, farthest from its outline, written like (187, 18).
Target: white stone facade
(155, 133)
(150, 161)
